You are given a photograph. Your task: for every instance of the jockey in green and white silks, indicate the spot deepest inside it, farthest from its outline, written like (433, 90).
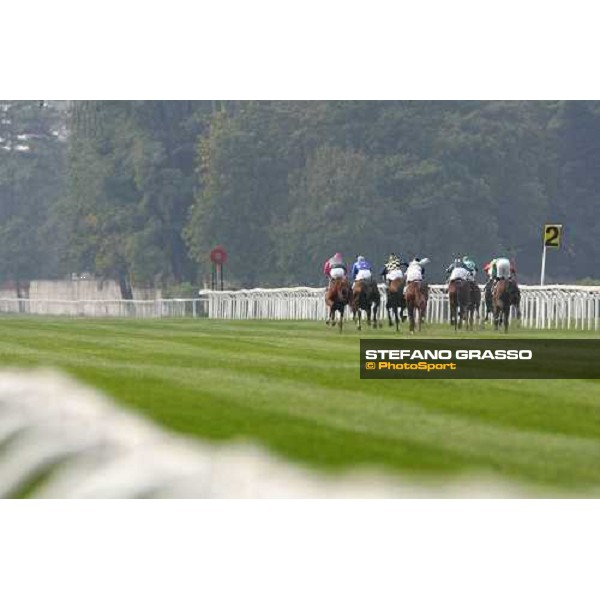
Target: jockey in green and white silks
(500, 268)
(457, 270)
(471, 267)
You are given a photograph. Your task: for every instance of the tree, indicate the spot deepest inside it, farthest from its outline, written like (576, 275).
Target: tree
(131, 181)
(31, 182)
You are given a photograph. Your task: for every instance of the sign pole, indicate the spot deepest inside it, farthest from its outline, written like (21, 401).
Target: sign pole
(218, 257)
(552, 235)
(543, 275)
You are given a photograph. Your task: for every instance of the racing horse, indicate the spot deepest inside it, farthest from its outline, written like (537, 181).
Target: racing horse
(459, 296)
(395, 300)
(487, 291)
(416, 303)
(504, 295)
(474, 304)
(337, 296)
(514, 295)
(365, 296)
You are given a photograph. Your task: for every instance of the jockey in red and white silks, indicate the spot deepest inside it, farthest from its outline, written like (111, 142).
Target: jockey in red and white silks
(334, 267)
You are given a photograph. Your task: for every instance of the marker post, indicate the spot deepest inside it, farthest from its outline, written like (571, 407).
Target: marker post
(552, 235)
(218, 257)
(543, 275)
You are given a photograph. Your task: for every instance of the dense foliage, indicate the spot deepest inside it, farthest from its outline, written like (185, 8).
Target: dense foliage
(32, 178)
(140, 191)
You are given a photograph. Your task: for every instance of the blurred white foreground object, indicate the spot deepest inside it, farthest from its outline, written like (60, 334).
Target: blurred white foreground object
(59, 439)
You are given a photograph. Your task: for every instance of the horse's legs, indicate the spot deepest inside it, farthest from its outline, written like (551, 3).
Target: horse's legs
(518, 307)
(506, 318)
(396, 319)
(402, 307)
(422, 313)
(489, 304)
(341, 323)
(375, 309)
(454, 313)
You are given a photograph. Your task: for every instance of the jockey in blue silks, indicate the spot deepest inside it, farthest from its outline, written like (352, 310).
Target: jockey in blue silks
(361, 269)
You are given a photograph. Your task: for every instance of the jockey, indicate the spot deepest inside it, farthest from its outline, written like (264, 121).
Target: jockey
(392, 268)
(334, 267)
(500, 268)
(457, 270)
(415, 270)
(497, 269)
(471, 267)
(361, 269)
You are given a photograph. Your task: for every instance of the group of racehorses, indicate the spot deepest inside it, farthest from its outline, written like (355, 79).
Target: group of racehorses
(464, 300)
(364, 296)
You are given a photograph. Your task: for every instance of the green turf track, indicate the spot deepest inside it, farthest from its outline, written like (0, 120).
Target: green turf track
(295, 388)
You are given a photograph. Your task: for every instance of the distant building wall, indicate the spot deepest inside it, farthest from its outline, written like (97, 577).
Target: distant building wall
(8, 291)
(81, 289)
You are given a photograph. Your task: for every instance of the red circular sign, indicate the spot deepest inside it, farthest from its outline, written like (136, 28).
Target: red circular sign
(218, 255)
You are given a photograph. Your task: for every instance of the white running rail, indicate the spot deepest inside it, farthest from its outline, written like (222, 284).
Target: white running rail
(552, 306)
(161, 308)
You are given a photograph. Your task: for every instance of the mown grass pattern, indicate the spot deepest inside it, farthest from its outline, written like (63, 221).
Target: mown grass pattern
(294, 387)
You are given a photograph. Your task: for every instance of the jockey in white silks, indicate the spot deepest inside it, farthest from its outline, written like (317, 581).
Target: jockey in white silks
(459, 273)
(361, 269)
(457, 270)
(502, 268)
(415, 270)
